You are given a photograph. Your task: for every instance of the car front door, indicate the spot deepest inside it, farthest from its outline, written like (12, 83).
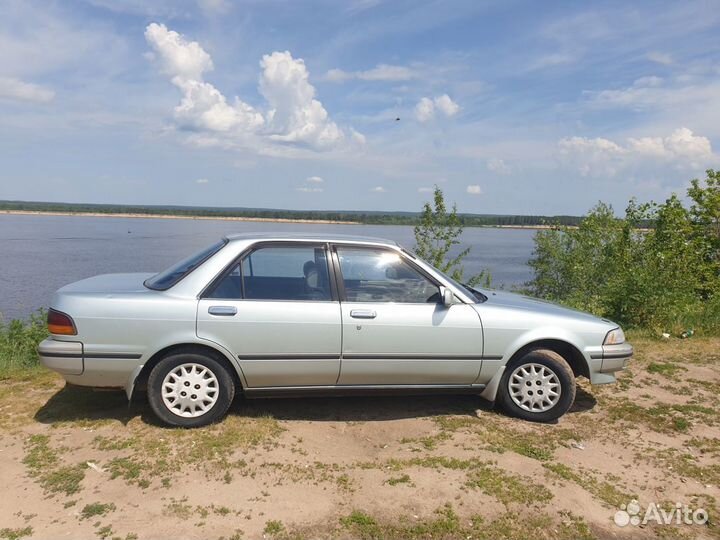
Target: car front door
(277, 312)
(396, 330)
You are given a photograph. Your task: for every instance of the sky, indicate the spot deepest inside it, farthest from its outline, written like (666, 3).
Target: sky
(510, 107)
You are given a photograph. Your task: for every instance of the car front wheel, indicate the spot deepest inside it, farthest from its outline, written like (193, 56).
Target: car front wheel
(190, 390)
(539, 386)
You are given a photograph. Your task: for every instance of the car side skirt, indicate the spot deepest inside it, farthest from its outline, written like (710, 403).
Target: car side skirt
(361, 390)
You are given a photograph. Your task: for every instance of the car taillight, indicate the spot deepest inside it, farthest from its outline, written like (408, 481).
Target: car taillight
(60, 323)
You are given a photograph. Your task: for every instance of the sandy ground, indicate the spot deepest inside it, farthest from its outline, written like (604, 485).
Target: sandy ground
(82, 464)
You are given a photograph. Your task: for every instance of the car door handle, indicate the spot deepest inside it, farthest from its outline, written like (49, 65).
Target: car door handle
(363, 314)
(227, 311)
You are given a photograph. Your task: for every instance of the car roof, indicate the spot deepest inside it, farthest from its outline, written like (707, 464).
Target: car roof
(339, 238)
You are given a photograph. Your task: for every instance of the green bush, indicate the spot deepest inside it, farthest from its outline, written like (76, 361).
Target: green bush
(437, 234)
(663, 278)
(19, 341)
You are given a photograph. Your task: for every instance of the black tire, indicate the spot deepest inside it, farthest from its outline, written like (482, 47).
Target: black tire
(564, 376)
(225, 390)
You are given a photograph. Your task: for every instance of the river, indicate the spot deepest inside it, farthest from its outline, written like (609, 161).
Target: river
(41, 253)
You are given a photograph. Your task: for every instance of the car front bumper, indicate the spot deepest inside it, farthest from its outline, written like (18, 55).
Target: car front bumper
(615, 357)
(606, 360)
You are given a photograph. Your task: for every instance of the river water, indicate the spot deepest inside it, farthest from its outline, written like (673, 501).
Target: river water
(41, 253)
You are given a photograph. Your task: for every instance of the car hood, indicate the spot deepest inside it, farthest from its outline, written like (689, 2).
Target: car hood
(526, 303)
(108, 284)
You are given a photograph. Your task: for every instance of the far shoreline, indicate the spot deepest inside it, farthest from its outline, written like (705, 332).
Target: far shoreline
(242, 218)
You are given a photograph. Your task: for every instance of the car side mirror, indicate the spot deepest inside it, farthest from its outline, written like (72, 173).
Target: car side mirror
(447, 296)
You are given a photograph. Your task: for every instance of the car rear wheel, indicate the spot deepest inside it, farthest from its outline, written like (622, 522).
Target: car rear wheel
(539, 386)
(190, 390)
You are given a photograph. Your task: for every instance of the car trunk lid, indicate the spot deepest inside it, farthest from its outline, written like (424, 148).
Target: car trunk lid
(109, 284)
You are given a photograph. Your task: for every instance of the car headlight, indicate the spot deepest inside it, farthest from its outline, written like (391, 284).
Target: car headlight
(614, 337)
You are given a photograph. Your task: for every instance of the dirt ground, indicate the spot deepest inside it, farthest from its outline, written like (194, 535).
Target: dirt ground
(82, 464)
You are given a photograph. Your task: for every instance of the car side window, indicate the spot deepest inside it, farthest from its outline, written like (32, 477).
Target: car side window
(278, 273)
(378, 275)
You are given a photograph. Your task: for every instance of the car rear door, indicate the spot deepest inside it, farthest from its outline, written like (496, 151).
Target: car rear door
(396, 331)
(277, 310)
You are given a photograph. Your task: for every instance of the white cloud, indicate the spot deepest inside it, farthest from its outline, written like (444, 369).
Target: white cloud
(446, 105)
(17, 90)
(357, 137)
(204, 107)
(293, 115)
(180, 58)
(602, 156)
(426, 107)
(378, 189)
(641, 93)
(425, 190)
(474, 190)
(424, 110)
(498, 166)
(381, 72)
(681, 145)
(202, 181)
(660, 58)
(312, 184)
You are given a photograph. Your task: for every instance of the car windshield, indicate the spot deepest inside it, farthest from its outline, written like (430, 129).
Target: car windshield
(167, 278)
(477, 295)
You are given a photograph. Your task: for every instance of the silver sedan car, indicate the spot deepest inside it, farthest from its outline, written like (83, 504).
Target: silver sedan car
(279, 315)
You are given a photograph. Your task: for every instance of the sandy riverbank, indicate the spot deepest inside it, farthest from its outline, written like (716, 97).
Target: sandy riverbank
(237, 218)
(173, 216)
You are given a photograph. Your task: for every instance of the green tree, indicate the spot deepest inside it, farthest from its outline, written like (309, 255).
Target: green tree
(437, 234)
(655, 268)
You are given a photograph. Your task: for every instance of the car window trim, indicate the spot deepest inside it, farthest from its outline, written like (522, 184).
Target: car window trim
(400, 253)
(260, 245)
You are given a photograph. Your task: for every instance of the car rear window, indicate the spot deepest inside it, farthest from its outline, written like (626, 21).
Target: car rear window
(167, 278)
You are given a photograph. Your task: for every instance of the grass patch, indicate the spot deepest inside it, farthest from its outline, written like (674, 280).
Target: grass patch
(105, 532)
(663, 418)
(67, 480)
(706, 445)
(155, 454)
(125, 468)
(447, 524)
(602, 490)
(39, 456)
(274, 528)
(18, 344)
(96, 509)
(395, 480)
(428, 443)
(43, 464)
(506, 487)
(668, 369)
(500, 435)
(686, 466)
(15, 534)
(485, 476)
(178, 509)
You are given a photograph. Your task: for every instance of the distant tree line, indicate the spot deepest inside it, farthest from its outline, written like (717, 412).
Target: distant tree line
(364, 217)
